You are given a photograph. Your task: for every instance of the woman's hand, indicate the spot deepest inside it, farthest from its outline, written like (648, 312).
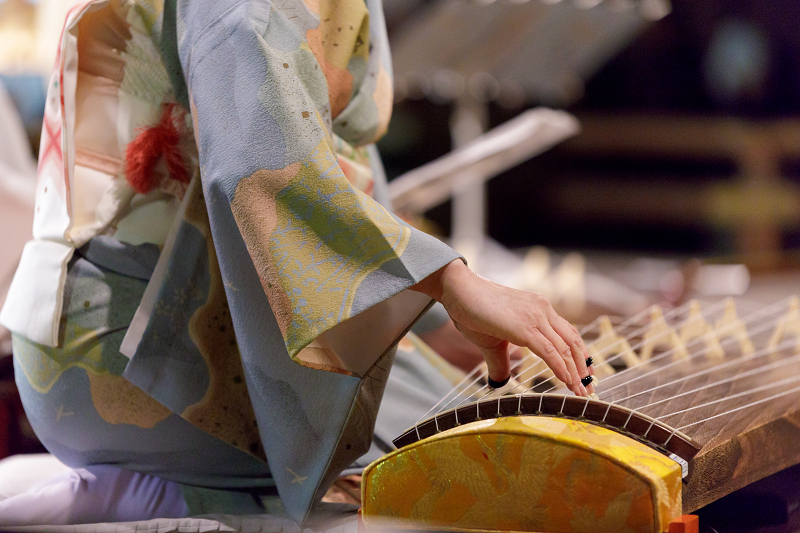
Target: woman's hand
(454, 348)
(491, 316)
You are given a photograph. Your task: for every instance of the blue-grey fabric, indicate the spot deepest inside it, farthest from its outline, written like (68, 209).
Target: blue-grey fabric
(62, 401)
(416, 383)
(260, 101)
(76, 399)
(136, 261)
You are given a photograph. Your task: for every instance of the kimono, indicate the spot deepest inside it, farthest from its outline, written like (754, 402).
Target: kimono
(212, 295)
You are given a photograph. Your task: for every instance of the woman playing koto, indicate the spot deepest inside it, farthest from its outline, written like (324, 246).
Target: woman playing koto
(212, 301)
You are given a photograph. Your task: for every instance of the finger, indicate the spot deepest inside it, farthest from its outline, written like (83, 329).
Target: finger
(566, 354)
(571, 336)
(541, 346)
(592, 387)
(577, 348)
(498, 362)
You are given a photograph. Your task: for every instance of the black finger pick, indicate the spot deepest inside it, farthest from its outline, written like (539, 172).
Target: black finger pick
(498, 384)
(586, 381)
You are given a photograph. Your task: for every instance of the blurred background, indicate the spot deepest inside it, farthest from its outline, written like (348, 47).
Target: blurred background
(670, 171)
(689, 141)
(682, 178)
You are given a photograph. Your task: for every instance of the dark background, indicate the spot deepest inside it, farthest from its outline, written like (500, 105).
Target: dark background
(733, 58)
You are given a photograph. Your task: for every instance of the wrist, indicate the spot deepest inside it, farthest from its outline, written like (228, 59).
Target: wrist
(438, 283)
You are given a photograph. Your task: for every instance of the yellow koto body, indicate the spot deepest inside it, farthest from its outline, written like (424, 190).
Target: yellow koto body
(524, 473)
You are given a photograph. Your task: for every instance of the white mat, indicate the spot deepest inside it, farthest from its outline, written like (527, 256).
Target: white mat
(240, 524)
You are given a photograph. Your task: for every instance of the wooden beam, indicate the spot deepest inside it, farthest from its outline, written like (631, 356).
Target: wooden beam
(683, 136)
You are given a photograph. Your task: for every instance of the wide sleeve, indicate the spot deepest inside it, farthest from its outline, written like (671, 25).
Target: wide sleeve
(315, 271)
(323, 252)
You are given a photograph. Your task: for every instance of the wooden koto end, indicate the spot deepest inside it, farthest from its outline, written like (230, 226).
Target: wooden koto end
(611, 416)
(524, 473)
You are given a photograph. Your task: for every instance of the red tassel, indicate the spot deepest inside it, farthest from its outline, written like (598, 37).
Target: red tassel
(153, 143)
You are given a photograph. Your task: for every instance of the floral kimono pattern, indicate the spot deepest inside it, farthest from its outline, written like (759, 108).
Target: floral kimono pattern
(228, 142)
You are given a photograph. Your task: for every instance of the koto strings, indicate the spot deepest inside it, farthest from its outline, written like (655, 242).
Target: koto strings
(699, 377)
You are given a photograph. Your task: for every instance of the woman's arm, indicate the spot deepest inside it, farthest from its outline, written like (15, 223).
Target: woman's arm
(491, 316)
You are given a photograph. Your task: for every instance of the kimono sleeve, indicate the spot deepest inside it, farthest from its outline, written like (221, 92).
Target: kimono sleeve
(294, 237)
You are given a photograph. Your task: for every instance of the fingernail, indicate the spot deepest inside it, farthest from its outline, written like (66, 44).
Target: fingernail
(568, 379)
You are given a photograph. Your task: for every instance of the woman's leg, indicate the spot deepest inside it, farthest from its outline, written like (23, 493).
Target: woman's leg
(100, 493)
(88, 415)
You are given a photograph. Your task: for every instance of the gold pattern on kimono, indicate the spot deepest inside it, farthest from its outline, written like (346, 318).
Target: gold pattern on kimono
(343, 33)
(324, 237)
(225, 411)
(115, 399)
